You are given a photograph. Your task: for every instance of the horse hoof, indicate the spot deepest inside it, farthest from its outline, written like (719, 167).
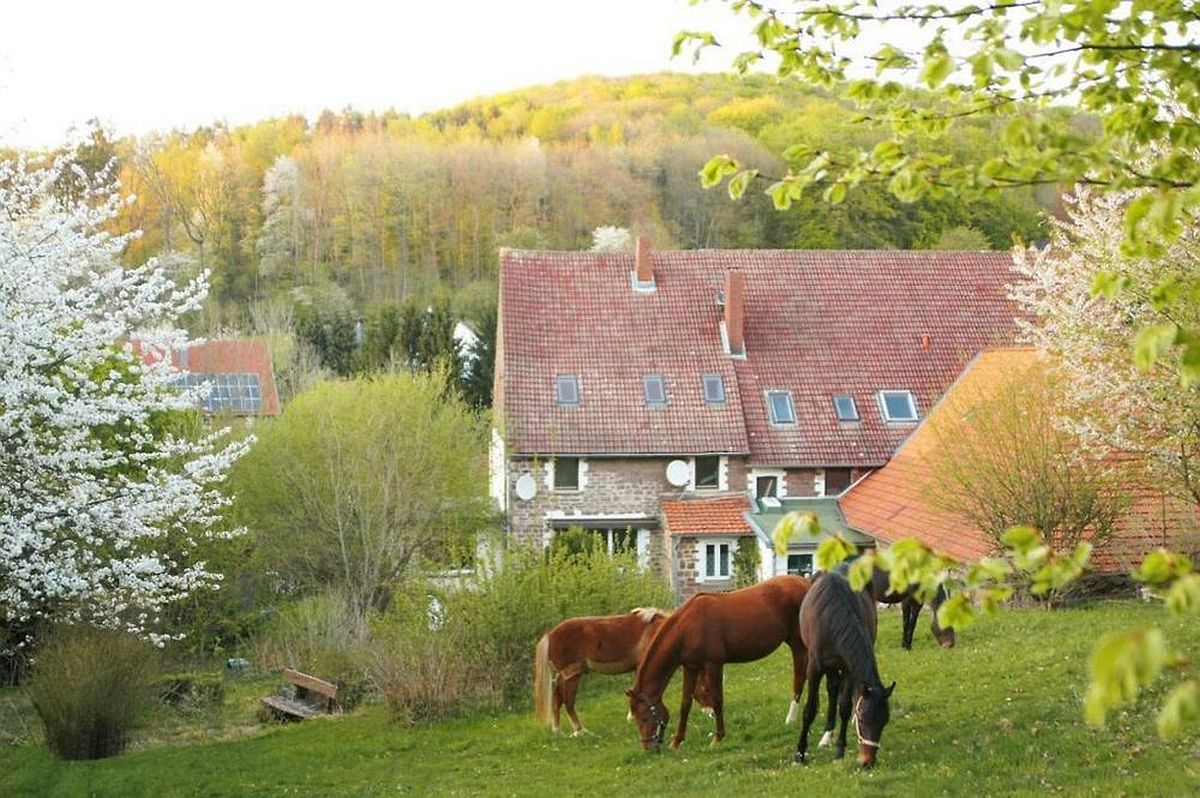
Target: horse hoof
(840, 754)
(826, 740)
(675, 744)
(580, 732)
(799, 759)
(708, 711)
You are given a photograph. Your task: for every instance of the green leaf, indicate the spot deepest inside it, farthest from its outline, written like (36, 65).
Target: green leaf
(792, 525)
(1181, 708)
(1184, 595)
(956, 612)
(832, 551)
(1121, 664)
(717, 169)
(1108, 284)
(1153, 342)
(861, 570)
(1161, 566)
(740, 182)
(836, 193)
(937, 68)
(1021, 538)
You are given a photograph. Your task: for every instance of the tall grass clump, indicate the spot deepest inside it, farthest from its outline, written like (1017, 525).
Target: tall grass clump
(91, 687)
(322, 635)
(449, 650)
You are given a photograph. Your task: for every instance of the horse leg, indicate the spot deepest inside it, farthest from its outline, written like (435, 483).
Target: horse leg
(685, 705)
(799, 666)
(570, 690)
(810, 712)
(715, 674)
(555, 714)
(833, 683)
(845, 692)
(912, 609)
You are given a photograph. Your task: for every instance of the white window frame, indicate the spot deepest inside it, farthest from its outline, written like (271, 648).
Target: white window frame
(551, 464)
(647, 380)
(722, 474)
(717, 380)
(559, 401)
(702, 547)
(768, 395)
(853, 406)
(912, 403)
(755, 474)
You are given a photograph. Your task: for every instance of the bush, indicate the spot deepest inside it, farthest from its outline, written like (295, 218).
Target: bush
(190, 689)
(477, 650)
(91, 688)
(321, 635)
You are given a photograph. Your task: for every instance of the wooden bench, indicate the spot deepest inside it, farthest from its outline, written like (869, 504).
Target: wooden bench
(313, 697)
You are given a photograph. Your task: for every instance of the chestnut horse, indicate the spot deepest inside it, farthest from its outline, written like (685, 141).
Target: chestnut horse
(709, 630)
(605, 644)
(837, 625)
(911, 606)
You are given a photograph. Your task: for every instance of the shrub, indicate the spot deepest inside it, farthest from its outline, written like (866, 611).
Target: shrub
(322, 635)
(91, 688)
(190, 689)
(477, 651)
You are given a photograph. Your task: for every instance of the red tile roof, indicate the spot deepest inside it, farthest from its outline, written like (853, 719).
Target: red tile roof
(720, 515)
(816, 324)
(234, 356)
(893, 502)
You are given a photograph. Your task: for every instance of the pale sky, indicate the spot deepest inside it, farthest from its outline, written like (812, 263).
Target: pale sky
(144, 65)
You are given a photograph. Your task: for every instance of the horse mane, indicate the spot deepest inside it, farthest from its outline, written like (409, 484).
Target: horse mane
(843, 616)
(649, 614)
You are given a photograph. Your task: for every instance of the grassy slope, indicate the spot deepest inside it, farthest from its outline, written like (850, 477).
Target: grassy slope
(994, 716)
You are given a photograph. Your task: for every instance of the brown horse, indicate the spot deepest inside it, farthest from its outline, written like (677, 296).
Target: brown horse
(605, 644)
(881, 591)
(709, 630)
(838, 625)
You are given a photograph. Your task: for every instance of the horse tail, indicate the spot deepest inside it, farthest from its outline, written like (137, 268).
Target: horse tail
(541, 680)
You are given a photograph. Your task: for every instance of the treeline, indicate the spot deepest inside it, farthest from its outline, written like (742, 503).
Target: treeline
(385, 208)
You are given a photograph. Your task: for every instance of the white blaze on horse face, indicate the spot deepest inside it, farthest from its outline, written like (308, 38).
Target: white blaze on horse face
(793, 713)
(826, 740)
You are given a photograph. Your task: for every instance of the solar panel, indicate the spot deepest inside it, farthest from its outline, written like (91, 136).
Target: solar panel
(226, 393)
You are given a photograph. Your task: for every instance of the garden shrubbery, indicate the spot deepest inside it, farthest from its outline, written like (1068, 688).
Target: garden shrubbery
(91, 687)
(444, 650)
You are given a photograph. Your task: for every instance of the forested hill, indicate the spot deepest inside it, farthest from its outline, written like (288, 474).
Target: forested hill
(379, 208)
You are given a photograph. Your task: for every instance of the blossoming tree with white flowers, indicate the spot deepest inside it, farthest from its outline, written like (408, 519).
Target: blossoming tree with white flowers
(104, 496)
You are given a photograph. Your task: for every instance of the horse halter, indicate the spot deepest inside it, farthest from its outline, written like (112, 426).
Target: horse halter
(862, 740)
(660, 723)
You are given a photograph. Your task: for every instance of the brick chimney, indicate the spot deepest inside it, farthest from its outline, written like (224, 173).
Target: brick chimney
(735, 311)
(643, 277)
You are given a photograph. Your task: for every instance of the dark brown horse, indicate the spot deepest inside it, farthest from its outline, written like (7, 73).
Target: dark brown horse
(837, 626)
(709, 630)
(605, 644)
(911, 606)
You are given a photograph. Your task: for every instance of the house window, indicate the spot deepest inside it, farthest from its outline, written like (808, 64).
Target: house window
(566, 387)
(765, 487)
(707, 473)
(583, 540)
(654, 387)
(716, 560)
(898, 405)
(836, 481)
(844, 406)
(714, 389)
(566, 473)
(779, 404)
(800, 564)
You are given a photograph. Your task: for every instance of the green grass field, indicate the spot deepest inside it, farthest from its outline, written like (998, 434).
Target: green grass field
(995, 716)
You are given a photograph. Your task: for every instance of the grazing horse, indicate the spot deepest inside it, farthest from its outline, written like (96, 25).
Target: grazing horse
(605, 644)
(911, 606)
(837, 626)
(709, 630)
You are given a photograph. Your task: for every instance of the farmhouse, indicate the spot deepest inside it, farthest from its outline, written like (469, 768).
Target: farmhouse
(676, 403)
(236, 376)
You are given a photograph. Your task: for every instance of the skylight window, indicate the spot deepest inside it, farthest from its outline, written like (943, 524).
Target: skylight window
(843, 405)
(654, 387)
(714, 389)
(779, 405)
(898, 405)
(566, 388)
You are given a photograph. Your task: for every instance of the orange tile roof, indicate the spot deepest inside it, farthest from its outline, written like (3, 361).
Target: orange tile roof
(231, 356)
(892, 502)
(720, 515)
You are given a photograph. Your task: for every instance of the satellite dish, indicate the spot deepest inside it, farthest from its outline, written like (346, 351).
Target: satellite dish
(526, 487)
(678, 473)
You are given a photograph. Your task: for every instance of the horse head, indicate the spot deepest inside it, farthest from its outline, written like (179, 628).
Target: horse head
(871, 714)
(651, 719)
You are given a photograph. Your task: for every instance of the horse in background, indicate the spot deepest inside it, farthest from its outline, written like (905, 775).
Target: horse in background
(709, 630)
(604, 644)
(838, 626)
(911, 606)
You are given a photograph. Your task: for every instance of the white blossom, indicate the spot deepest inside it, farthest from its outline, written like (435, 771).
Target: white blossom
(100, 509)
